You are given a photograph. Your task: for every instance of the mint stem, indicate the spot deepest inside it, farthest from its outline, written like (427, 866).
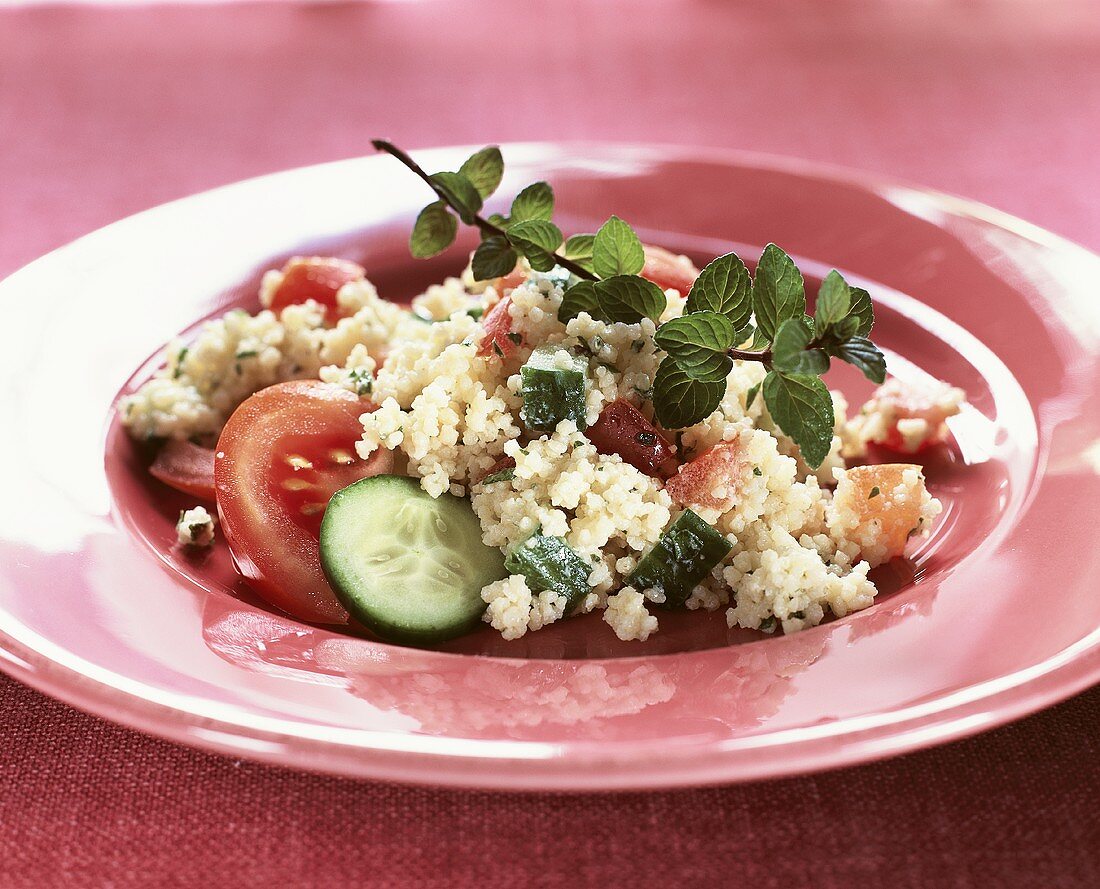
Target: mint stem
(741, 355)
(483, 224)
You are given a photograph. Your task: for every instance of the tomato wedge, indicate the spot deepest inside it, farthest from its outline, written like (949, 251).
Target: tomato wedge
(315, 277)
(499, 340)
(284, 452)
(186, 467)
(624, 430)
(665, 269)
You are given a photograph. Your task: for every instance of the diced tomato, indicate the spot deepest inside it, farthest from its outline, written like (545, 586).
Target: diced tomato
(282, 455)
(869, 492)
(712, 480)
(624, 430)
(499, 340)
(929, 399)
(510, 281)
(186, 467)
(315, 277)
(666, 269)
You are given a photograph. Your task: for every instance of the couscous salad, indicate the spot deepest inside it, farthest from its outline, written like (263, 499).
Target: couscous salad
(576, 424)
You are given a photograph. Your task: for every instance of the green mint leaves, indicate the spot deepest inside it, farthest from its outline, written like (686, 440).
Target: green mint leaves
(729, 315)
(724, 287)
(801, 406)
(778, 292)
(616, 250)
(795, 347)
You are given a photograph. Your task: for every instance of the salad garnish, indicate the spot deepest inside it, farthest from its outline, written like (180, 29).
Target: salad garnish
(730, 314)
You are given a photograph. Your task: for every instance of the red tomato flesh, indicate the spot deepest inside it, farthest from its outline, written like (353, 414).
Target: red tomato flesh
(666, 269)
(315, 277)
(624, 430)
(282, 455)
(712, 480)
(499, 340)
(186, 467)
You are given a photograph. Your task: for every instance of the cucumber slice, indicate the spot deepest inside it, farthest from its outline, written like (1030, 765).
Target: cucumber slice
(680, 559)
(553, 388)
(549, 563)
(408, 566)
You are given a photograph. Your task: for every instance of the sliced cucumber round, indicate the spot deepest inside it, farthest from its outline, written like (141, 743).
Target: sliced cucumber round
(409, 566)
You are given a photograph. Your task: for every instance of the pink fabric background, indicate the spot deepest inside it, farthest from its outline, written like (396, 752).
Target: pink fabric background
(105, 112)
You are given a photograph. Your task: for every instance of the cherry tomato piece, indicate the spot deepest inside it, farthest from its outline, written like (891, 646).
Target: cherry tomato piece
(282, 455)
(624, 430)
(186, 467)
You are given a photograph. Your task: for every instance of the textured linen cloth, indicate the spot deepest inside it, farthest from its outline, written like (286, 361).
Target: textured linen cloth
(104, 112)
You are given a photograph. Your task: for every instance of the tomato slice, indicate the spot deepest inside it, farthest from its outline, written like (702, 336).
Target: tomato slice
(624, 430)
(315, 277)
(665, 269)
(499, 340)
(712, 480)
(284, 452)
(186, 467)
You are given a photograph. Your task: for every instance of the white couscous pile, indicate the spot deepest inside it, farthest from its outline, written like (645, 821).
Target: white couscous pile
(443, 389)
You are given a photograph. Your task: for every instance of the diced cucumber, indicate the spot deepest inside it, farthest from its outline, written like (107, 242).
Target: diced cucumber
(553, 388)
(680, 559)
(548, 563)
(408, 566)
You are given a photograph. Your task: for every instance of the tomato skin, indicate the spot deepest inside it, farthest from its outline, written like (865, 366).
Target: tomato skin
(315, 277)
(665, 269)
(499, 341)
(283, 453)
(712, 480)
(186, 467)
(624, 430)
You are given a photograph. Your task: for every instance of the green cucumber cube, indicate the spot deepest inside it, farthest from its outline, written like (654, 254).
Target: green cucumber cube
(680, 559)
(548, 563)
(553, 388)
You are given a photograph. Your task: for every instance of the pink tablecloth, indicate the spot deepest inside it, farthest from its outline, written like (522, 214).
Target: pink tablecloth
(105, 112)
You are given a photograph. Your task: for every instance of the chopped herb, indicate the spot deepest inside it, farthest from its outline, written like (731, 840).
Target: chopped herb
(248, 353)
(504, 475)
(757, 472)
(179, 362)
(637, 345)
(497, 349)
(874, 492)
(646, 438)
(767, 625)
(515, 338)
(647, 394)
(799, 615)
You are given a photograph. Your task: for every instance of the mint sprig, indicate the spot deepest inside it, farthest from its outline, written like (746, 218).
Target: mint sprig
(729, 315)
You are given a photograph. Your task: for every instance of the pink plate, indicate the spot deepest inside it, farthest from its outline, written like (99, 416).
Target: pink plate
(995, 616)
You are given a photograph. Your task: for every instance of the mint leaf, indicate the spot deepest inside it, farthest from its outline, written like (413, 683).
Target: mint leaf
(536, 201)
(493, 258)
(679, 401)
(862, 353)
(750, 396)
(433, 232)
(579, 247)
(629, 299)
(484, 169)
(789, 352)
(861, 309)
(460, 194)
(801, 406)
(778, 292)
(723, 286)
(833, 301)
(616, 250)
(698, 343)
(537, 233)
(581, 297)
